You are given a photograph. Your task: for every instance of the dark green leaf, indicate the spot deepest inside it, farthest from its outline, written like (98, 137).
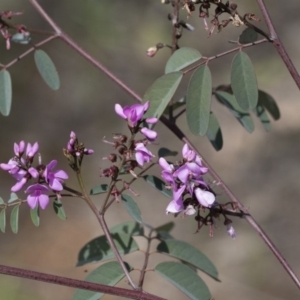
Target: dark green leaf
(158, 184)
(269, 104)
(163, 152)
(182, 58)
(131, 228)
(109, 273)
(14, 219)
(132, 207)
(103, 188)
(59, 209)
(214, 132)
(249, 35)
(175, 105)
(5, 93)
(99, 249)
(20, 38)
(35, 216)
(1, 201)
(198, 101)
(3, 220)
(189, 254)
(47, 69)
(163, 231)
(243, 81)
(185, 279)
(261, 113)
(13, 197)
(242, 116)
(161, 92)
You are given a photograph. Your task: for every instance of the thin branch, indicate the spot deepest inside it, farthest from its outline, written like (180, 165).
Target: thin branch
(124, 293)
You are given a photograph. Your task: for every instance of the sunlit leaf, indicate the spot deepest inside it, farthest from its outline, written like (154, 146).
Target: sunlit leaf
(132, 207)
(3, 220)
(249, 35)
(243, 81)
(47, 69)
(5, 93)
(109, 273)
(59, 209)
(189, 254)
(14, 219)
(199, 100)
(101, 189)
(269, 104)
(242, 116)
(161, 92)
(214, 132)
(20, 38)
(163, 152)
(35, 216)
(131, 228)
(13, 197)
(185, 279)
(182, 58)
(158, 184)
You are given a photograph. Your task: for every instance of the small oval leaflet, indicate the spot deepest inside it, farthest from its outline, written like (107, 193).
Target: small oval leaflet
(59, 209)
(47, 69)
(3, 220)
(132, 207)
(35, 216)
(5, 93)
(198, 101)
(249, 35)
(14, 219)
(214, 132)
(182, 58)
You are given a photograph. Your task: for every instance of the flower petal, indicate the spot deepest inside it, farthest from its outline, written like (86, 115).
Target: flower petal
(43, 201)
(32, 201)
(205, 198)
(119, 111)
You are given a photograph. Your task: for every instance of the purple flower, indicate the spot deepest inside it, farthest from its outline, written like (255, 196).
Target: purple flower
(37, 196)
(205, 198)
(187, 153)
(55, 179)
(31, 150)
(12, 166)
(142, 154)
(149, 134)
(176, 205)
(19, 148)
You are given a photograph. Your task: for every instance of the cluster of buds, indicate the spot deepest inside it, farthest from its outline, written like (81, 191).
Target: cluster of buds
(191, 194)
(46, 180)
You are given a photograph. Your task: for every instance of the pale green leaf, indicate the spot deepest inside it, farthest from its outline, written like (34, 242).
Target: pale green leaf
(132, 207)
(214, 132)
(158, 184)
(1, 201)
(101, 189)
(3, 220)
(13, 197)
(35, 216)
(5, 93)
(14, 219)
(59, 209)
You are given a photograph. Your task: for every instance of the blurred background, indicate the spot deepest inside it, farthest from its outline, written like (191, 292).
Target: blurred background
(261, 168)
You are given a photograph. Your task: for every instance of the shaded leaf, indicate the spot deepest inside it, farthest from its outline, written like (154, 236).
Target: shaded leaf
(249, 35)
(47, 69)
(189, 254)
(109, 273)
(161, 92)
(163, 231)
(158, 184)
(20, 38)
(185, 279)
(35, 216)
(59, 209)
(243, 81)
(269, 103)
(99, 249)
(3, 220)
(14, 219)
(131, 228)
(163, 152)
(132, 207)
(198, 101)
(5, 93)
(182, 58)
(242, 116)
(261, 113)
(214, 132)
(103, 188)
(175, 105)
(13, 197)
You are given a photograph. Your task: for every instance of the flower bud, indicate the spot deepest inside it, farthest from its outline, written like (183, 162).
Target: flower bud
(152, 51)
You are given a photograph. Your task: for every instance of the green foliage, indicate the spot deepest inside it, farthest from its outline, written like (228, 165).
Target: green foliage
(3, 220)
(14, 219)
(182, 58)
(163, 231)
(1, 201)
(59, 209)
(199, 100)
(158, 184)
(214, 132)
(5, 93)
(243, 81)
(268, 102)
(35, 216)
(131, 228)
(132, 207)
(249, 35)
(13, 197)
(163, 152)
(161, 92)
(101, 189)
(47, 69)
(185, 279)
(109, 273)
(261, 113)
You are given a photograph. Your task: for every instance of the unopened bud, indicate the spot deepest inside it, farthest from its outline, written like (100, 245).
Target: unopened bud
(152, 51)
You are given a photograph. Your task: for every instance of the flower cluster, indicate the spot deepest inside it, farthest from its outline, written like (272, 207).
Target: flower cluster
(46, 178)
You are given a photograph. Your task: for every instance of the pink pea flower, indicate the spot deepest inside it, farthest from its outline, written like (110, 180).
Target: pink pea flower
(205, 198)
(56, 178)
(142, 154)
(37, 196)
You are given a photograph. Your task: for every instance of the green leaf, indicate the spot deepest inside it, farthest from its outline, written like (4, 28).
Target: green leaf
(99, 249)
(182, 58)
(35, 216)
(20, 38)
(249, 35)
(175, 106)
(3, 220)
(161, 92)
(1, 201)
(14, 219)
(189, 254)
(242, 116)
(59, 209)
(158, 184)
(269, 104)
(5, 93)
(163, 231)
(163, 152)
(261, 113)
(131, 228)
(185, 279)
(132, 207)
(103, 188)
(243, 81)
(109, 273)
(47, 69)
(198, 101)
(13, 197)
(214, 132)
